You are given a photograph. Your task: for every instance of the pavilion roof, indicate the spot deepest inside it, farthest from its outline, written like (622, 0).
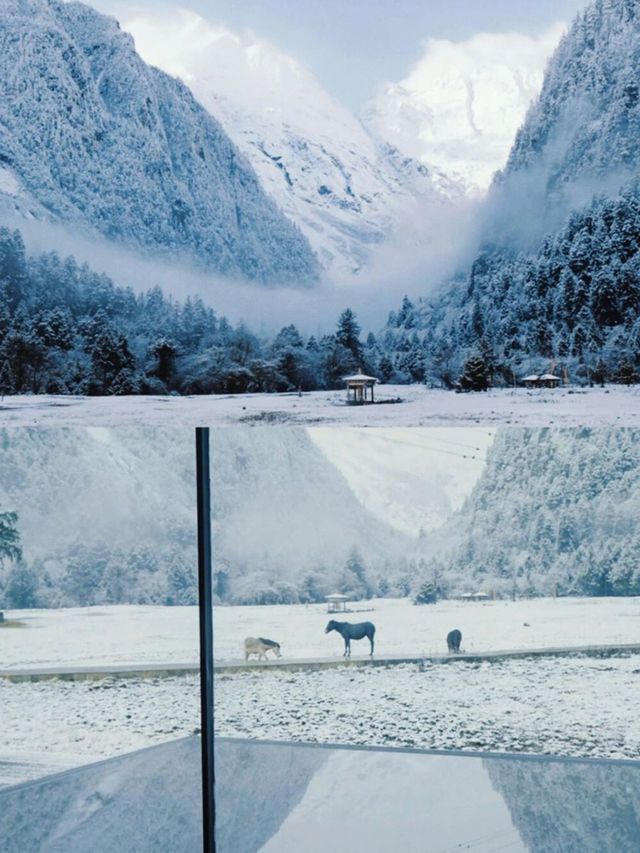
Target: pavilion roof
(359, 377)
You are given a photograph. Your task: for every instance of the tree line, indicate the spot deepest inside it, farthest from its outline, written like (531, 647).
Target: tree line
(572, 304)
(65, 329)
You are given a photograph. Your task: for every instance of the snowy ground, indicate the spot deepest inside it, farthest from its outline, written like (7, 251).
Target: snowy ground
(149, 634)
(54, 725)
(420, 406)
(568, 706)
(571, 706)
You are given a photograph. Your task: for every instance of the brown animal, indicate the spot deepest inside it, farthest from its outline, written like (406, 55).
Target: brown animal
(260, 646)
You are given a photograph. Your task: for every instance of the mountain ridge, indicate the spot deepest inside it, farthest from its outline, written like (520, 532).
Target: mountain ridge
(103, 142)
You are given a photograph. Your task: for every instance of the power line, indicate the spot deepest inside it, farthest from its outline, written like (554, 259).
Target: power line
(468, 456)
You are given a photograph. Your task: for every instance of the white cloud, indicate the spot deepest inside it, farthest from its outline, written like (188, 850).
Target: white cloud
(460, 106)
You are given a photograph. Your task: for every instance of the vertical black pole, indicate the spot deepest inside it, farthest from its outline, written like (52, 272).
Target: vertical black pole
(205, 602)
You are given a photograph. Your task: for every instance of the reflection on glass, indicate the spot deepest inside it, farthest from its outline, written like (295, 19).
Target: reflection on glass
(142, 802)
(279, 798)
(98, 587)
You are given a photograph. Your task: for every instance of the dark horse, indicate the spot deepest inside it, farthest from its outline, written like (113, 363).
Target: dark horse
(454, 638)
(350, 632)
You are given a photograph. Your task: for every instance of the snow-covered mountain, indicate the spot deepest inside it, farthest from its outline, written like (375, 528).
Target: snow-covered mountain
(109, 514)
(347, 190)
(582, 133)
(462, 103)
(553, 508)
(93, 137)
(555, 282)
(412, 479)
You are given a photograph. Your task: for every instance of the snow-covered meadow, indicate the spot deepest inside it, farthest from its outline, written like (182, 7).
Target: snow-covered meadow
(574, 705)
(132, 634)
(614, 405)
(580, 706)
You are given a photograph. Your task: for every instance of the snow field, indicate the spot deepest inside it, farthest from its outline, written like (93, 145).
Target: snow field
(570, 706)
(614, 406)
(132, 634)
(578, 705)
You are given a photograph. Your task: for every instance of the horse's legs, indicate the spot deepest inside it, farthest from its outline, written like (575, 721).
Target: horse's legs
(371, 641)
(347, 647)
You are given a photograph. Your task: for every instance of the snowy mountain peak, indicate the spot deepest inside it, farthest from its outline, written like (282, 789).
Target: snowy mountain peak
(462, 103)
(345, 189)
(99, 140)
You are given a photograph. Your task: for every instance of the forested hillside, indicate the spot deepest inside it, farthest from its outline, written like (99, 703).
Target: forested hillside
(555, 511)
(572, 305)
(92, 137)
(68, 330)
(107, 516)
(556, 283)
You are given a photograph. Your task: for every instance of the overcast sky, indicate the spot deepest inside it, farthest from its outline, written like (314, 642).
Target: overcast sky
(355, 45)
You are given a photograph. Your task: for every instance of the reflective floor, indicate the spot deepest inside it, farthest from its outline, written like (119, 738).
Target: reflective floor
(284, 798)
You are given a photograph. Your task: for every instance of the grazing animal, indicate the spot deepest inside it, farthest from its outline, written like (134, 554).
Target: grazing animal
(349, 631)
(454, 638)
(260, 646)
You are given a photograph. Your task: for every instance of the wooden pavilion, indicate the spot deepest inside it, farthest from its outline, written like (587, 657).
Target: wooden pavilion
(336, 602)
(360, 388)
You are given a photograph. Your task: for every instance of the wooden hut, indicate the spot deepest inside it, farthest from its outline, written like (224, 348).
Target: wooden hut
(532, 381)
(543, 380)
(336, 602)
(474, 596)
(549, 380)
(359, 388)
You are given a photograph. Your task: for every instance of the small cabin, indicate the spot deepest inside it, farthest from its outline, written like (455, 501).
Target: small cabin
(549, 380)
(474, 596)
(336, 602)
(543, 380)
(359, 388)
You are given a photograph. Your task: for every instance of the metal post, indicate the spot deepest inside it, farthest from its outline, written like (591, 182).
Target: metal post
(205, 605)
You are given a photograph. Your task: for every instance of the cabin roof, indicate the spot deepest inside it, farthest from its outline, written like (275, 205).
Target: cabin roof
(336, 596)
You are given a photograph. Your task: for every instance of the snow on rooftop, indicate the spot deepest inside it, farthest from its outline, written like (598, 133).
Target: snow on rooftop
(359, 377)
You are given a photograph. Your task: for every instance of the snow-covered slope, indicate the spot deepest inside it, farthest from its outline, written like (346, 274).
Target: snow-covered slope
(585, 126)
(555, 283)
(461, 105)
(93, 137)
(109, 515)
(553, 508)
(413, 479)
(346, 191)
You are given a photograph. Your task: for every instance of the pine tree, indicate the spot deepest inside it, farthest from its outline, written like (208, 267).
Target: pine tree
(9, 537)
(348, 333)
(475, 375)
(7, 382)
